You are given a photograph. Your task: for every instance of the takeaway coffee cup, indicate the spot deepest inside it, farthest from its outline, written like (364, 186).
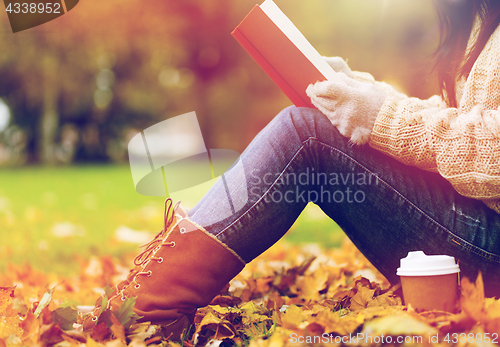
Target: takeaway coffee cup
(429, 282)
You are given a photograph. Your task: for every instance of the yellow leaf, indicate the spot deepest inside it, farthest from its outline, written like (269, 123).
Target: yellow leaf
(10, 326)
(252, 307)
(92, 343)
(398, 324)
(276, 340)
(222, 328)
(292, 318)
(328, 319)
(6, 296)
(117, 329)
(492, 319)
(31, 329)
(310, 285)
(472, 299)
(223, 310)
(348, 324)
(386, 299)
(362, 298)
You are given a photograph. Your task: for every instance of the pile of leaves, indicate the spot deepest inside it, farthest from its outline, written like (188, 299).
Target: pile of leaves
(290, 295)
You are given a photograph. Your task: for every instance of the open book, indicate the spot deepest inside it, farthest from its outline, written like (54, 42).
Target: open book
(282, 51)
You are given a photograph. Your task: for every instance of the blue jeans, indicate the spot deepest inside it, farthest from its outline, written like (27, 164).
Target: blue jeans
(386, 208)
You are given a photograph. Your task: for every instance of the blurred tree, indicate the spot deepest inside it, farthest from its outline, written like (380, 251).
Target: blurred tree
(108, 69)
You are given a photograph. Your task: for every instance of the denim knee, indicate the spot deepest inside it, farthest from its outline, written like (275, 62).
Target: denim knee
(308, 122)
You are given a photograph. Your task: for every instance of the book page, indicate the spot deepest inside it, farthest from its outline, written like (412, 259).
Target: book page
(296, 37)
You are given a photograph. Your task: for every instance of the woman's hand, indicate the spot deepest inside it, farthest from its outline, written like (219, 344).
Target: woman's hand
(339, 65)
(352, 106)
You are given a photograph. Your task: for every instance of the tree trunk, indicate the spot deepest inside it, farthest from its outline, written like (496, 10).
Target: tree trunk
(49, 122)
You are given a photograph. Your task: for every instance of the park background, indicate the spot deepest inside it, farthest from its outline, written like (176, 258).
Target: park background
(74, 91)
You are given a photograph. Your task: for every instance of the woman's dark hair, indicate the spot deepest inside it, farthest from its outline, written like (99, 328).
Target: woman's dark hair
(456, 21)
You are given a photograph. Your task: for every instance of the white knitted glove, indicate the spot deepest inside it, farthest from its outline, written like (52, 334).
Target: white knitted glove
(339, 65)
(352, 106)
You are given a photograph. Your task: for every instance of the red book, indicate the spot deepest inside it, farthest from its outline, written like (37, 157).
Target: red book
(281, 50)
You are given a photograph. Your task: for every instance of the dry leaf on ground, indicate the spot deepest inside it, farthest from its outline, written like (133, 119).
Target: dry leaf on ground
(287, 296)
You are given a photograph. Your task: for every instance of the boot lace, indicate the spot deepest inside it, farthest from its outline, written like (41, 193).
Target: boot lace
(154, 245)
(159, 240)
(150, 248)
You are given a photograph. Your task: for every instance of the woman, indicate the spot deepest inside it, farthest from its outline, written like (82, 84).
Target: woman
(423, 175)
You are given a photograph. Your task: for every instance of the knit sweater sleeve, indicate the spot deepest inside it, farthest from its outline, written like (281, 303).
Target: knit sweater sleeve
(462, 144)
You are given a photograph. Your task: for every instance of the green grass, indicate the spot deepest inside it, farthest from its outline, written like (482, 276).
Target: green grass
(92, 202)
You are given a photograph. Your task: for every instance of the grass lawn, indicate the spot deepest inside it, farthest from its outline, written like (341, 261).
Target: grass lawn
(54, 217)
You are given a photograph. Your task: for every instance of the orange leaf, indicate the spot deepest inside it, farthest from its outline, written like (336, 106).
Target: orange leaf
(492, 308)
(6, 296)
(117, 329)
(292, 318)
(220, 328)
(31, 328)
(100, 332)
(362, 298)
(310, 285)
(51, 334)
(387, 299)
(74, 337)
(472, 299)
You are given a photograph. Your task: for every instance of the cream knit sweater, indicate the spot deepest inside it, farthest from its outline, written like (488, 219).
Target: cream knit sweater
(462, 144)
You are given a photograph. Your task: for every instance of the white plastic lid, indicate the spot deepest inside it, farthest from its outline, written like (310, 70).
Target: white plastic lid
(419, 264)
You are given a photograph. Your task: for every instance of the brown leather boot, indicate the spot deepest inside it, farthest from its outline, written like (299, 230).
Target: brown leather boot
(177, 273)
(171, 213)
